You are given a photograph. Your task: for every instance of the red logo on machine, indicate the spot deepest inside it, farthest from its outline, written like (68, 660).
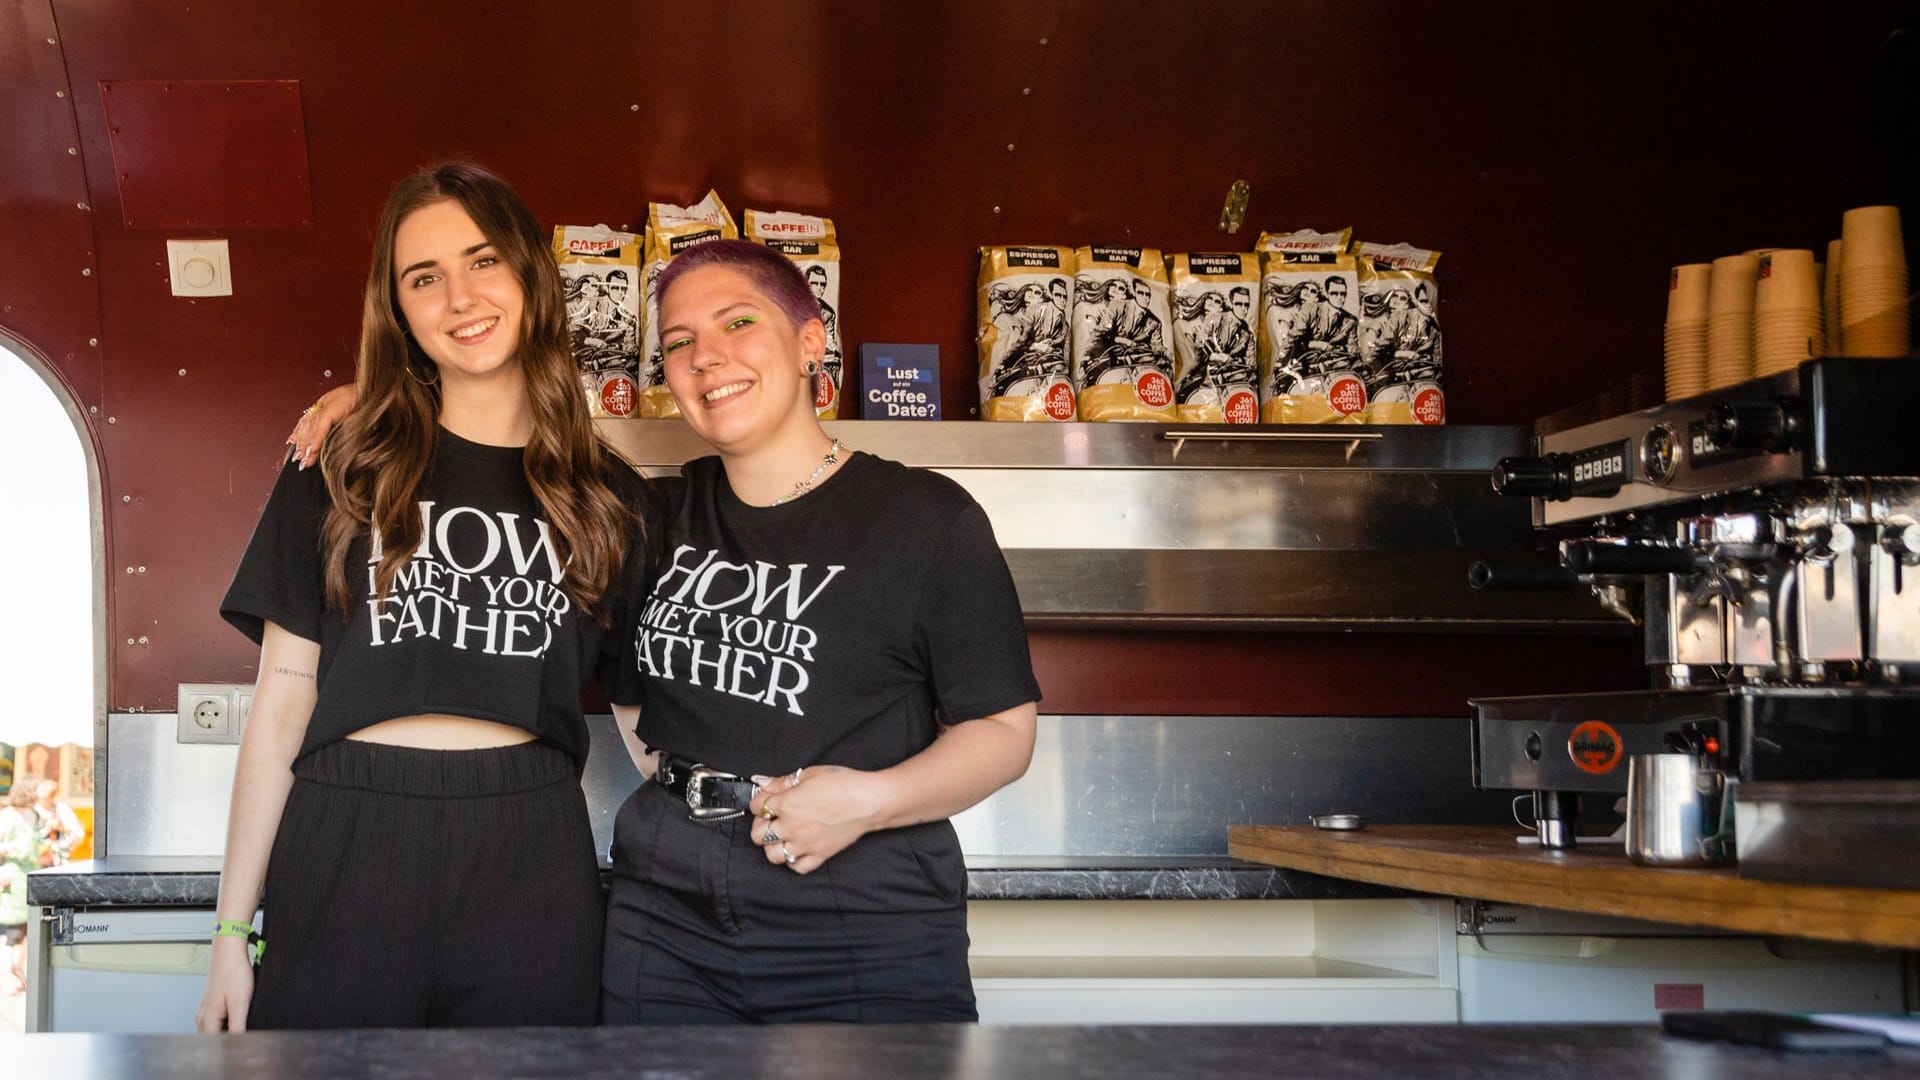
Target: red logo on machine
(1059, 401)
(1154, 389)
(1241, 408)
(1595, 747)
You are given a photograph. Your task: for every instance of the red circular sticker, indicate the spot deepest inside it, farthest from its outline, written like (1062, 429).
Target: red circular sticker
(1241, 408)
(1430, 406)
(1595, 747)
(1347, 394)
(1059, 401)
(823, 391)
(1155, 390)
(617, 395)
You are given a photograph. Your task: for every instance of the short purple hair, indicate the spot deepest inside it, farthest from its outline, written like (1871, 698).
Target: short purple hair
(777, 278)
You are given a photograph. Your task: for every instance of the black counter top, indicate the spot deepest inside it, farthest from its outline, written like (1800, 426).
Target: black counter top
(930, 1052)
(167, 881)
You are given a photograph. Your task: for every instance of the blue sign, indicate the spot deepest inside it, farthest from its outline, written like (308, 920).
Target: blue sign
(899, 382)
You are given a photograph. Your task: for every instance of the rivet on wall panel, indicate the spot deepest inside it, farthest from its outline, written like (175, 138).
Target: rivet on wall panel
(1009, 148)
(183, 371)
(129, 569)
(996, 209)
(93, 410)
(141, 569)
(633, 108)
(60, 93)
(327, 374)
(143, 639)
(73, 151)
(86, 271)
(95, 342)
(51, 41)
(129, 641)
(112, 420)
(1025, 90)
(1043, 41)
(126, 498)
(81, 206)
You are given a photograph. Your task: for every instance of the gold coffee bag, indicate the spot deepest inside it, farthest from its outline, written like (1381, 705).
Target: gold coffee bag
(1122, 351)
(811, 244)
(1400, 334)
(1310, 330)
(671, 230)
(1024, 303)
(600, 271)
(1218, 371)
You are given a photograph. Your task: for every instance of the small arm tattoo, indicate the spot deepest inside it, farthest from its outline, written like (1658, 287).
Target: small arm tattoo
(292, 672)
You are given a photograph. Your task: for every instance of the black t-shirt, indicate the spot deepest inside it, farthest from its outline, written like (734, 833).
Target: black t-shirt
(839, 628)
(475, 624)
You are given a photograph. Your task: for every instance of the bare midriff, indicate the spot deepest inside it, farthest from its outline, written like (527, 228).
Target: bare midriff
(438, 731)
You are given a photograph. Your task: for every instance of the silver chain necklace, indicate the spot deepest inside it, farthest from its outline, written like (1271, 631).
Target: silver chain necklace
(804, 486)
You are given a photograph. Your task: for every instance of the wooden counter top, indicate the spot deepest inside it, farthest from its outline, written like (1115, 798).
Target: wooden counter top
(1484, 863)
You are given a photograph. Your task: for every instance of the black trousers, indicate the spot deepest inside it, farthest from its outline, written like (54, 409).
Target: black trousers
(702, 929)
(431, 888)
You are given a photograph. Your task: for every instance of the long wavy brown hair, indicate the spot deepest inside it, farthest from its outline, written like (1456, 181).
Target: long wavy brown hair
(375, 464)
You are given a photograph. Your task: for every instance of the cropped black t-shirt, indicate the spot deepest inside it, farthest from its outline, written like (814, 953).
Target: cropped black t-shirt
(475, 624)
(839, 628)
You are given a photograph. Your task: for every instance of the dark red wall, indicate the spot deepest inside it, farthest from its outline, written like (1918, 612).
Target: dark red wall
(1561, 156)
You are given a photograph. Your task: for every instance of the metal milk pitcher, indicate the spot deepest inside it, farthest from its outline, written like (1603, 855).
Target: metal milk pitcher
(1679, 811)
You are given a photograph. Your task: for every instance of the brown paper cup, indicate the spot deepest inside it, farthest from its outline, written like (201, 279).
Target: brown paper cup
(1687, 292)
(1730, 288)
(1786, 280)
(1870, 236)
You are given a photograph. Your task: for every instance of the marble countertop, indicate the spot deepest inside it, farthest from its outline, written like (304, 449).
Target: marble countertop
(933, 1052)
(170, 881)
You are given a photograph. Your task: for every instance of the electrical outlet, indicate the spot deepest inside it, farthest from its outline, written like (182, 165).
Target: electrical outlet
(211, 712)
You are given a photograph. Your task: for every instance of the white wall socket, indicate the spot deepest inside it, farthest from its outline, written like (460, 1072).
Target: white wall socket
(199, 268)
(212, 712)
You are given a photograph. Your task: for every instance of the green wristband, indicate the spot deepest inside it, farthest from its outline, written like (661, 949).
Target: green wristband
(256, 945)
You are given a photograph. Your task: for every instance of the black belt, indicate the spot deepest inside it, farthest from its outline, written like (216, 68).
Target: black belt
(710, 795)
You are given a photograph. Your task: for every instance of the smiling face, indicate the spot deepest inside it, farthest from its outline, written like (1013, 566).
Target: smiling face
(734, 361)
(461, 301)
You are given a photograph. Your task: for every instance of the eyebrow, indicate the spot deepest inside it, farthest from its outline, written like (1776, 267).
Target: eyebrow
(435, 262)
(719, 313)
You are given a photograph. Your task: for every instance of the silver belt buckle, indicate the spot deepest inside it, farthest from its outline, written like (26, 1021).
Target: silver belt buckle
(698, 810)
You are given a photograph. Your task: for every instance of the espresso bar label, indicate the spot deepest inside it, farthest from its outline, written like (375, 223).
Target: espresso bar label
(1130, 256)
(1021, 256)
(678, 244)
(1215, 264)
(794, 247)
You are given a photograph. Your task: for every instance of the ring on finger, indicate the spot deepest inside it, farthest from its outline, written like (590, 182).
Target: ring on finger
(766, 811)
(770, 837)
(788, 855)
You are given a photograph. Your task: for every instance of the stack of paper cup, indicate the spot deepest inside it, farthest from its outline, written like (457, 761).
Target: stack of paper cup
(1686, 332)
(1786, 311)
(1873, 283)
(1730, 320)
(1830, 298)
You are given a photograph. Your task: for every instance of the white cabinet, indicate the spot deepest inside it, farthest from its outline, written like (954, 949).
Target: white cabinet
(1213, 961)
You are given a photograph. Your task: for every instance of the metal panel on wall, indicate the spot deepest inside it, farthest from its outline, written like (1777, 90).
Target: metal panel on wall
(1498, 133)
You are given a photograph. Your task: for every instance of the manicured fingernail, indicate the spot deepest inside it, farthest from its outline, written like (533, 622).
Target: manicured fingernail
(761, 781)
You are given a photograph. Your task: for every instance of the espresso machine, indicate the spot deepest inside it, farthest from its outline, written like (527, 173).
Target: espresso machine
(1765, 538)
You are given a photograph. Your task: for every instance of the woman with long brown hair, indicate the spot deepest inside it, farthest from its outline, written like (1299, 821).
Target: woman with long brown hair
(430, 603)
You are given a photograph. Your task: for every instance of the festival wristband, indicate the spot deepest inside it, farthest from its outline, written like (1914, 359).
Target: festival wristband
(256, 945)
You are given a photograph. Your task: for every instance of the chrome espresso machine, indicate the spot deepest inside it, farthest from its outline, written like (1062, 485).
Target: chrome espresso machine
(1765, 537)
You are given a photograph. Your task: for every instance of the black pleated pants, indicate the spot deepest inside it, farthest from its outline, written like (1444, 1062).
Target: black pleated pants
(431, 888)
(702, 929)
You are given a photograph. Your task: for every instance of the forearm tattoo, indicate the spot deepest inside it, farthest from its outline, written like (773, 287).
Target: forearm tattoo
(292, 672)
